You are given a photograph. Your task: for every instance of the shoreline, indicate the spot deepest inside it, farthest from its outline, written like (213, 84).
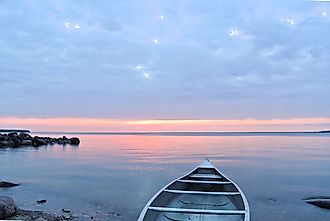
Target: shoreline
(10, 211)
(22, 214)
(14, 139)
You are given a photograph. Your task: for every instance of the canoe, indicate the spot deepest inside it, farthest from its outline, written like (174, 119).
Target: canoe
(204, 194)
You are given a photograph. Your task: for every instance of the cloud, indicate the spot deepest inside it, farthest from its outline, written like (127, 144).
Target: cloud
(146, 75)
(233, 32)
(220, 60)
(155, 40)
(325, 13)
(289, 21)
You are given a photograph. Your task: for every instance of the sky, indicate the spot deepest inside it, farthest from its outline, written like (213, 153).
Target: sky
(186, 61)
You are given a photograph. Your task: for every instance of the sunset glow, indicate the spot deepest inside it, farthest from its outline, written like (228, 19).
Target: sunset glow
(97, 124)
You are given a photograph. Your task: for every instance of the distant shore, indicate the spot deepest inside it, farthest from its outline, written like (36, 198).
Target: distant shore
(195, 133)
(164, 132)
(14, 130)
(324, 131)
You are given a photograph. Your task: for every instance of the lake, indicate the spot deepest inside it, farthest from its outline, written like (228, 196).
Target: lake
(112, 176)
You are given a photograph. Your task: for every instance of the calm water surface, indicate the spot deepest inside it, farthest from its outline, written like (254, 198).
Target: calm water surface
(111, 177)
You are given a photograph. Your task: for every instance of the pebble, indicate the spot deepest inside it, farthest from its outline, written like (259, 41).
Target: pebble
(66, 210)
(41, 201)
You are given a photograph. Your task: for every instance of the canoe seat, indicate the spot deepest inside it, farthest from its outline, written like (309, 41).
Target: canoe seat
(200, 192)
(205, 182)
(197, 211)
(205, 176)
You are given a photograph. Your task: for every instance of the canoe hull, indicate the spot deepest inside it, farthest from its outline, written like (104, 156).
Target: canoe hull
(202, 194)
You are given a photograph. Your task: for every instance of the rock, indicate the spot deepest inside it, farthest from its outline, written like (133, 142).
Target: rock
(53, 141)
(40, 219)
(4, 184)
(9, 143)
(35, 215)
(65, 140)
(75, 141)
(16, 141)
(114, 214)
(23, 139)
(24, 136)
(60, 141)
(7, 207)
(36, 142)
(319, 202)
(41, 201)
(3, 137)
(66, 210)
(66, 217)
(26, 142)
(13, 134)
(271, 199)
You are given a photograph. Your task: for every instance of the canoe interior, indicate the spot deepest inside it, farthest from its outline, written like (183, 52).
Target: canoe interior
(156, 216)
(175, 196)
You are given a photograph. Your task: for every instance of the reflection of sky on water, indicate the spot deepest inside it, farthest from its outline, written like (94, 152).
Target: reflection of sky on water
(107, 174)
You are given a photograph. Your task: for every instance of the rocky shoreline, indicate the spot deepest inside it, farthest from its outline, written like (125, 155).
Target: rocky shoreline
(39, 216)
(9, 211)
(17, 140)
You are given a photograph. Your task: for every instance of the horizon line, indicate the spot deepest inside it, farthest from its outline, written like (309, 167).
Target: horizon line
(164, 132)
